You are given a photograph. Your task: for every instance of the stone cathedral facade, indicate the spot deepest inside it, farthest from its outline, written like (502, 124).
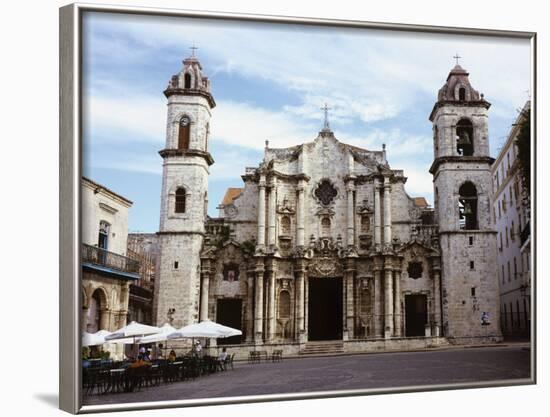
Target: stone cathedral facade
(322, 243)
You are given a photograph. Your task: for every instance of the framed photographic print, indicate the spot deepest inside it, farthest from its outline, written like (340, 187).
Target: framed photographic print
(258, 208)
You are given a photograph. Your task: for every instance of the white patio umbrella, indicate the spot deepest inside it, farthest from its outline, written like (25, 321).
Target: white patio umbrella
(206, 328)
(165, 330)
(94, 339)
(133, 330)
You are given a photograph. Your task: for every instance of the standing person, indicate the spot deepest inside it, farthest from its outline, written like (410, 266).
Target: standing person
(197, 349)
(156, 353)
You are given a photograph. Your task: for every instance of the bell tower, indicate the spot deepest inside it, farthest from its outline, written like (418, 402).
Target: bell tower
(186, 163)
(462, 193)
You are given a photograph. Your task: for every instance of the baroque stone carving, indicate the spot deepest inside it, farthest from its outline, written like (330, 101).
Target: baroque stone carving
(325, 192)
(325, 267)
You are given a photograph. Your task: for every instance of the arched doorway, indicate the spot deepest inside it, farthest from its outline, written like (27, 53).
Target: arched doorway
(95, 311)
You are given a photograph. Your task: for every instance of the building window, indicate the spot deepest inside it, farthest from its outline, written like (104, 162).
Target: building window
(176, 264)
(284, 305)
(467, 206)
(180, 200)
(473, 291)
(231, 272)
(184, 133)
(471, 264)
(509, 274)
(506, 232)
(325, 226)
(515, 268)
(503, 276)
(464, 138)
(415, 270)
(365, 224)
(285, 226)
(462, 94)
(187, 80)
(512, 232)
(103, 238)
(470, 240)
(325, 192)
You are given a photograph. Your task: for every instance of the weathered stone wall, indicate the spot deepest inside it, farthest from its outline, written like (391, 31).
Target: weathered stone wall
(100, 204)
(178, 285)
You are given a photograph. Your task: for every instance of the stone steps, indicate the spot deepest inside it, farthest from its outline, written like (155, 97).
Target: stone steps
(322, 348)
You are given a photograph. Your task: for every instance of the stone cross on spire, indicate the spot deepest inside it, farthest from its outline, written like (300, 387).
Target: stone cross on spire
(193, 48)
(457, 57)
(326, 108)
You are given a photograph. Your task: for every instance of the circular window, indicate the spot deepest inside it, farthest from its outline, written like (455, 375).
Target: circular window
(325, 192)
(184, 121)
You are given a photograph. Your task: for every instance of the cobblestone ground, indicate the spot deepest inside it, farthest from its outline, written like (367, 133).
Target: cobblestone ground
(366, 371)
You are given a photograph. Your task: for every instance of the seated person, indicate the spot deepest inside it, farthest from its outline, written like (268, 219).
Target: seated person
(172, 356)
(222, 357)
(139, 363)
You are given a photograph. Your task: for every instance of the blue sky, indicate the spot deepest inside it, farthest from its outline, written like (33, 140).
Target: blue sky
(269, 82)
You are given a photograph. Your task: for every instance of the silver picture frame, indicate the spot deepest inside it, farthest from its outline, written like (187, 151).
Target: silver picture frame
(70, 153)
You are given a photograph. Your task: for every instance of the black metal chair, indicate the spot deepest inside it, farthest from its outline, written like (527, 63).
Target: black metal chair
(228, 361)
(277, 355)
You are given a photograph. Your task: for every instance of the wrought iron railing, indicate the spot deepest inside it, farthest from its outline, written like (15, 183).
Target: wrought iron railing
(101, 257)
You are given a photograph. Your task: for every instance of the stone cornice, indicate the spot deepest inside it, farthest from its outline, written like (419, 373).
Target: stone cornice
(180, 232)
(442, 103)
(460, 159)
(187, 152)
(189, 92)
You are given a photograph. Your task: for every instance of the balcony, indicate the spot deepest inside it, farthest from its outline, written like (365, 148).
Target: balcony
(102, 260)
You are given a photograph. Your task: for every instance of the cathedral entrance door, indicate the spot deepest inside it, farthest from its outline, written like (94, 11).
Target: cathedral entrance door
(229, 313)
(416, 314)
(325, 309)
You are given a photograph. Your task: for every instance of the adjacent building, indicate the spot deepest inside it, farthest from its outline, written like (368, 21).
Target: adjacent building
(107, 273)
(511, 211)
(143, 248)
(322, 243)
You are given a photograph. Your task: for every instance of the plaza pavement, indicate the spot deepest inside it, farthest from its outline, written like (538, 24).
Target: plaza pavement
(344, 372)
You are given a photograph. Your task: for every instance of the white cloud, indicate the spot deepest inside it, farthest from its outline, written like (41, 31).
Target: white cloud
(249, 126)
(365, 75)
(127, 118)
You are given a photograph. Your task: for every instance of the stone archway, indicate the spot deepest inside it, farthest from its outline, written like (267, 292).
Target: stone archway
(97, 311)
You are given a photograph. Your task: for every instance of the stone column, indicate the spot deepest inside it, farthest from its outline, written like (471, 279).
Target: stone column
(349, 310)
(259, 307)
(261, 211)
(271, 305)
(299, 301)
(271, 213)
(437, 302)
(377, 215)
(398, 314)
(350, 188)
(378, 318)
(205, 284)
(388, 304)
(249, 309)
(300, 228)
(387, 211)
(105, 319)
